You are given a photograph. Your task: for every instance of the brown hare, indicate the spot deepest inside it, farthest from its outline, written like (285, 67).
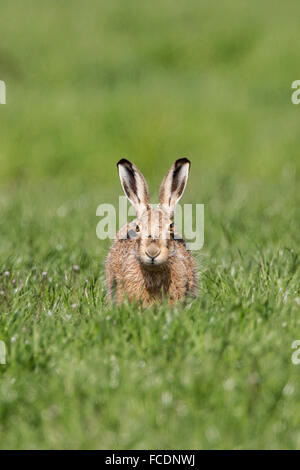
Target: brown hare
(149, 260)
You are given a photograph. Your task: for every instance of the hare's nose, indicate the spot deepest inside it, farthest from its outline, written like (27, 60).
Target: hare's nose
(152, 251)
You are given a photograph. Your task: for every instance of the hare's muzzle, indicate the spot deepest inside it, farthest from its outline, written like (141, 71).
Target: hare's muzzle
(153, 251)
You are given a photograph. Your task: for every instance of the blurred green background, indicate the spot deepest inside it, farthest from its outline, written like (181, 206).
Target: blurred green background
(89, 82)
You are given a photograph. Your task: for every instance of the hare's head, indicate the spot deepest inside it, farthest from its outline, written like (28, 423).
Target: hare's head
(153, 229)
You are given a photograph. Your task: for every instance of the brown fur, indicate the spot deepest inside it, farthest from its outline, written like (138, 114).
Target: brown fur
(175, 279)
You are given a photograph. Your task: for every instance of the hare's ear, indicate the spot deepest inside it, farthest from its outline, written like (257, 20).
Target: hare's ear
(134, 186)
(173, 185)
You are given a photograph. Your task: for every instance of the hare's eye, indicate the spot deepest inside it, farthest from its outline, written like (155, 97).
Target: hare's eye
(137, 228)
(172, 227)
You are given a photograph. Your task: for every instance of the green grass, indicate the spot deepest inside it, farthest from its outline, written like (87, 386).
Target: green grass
(88, 83)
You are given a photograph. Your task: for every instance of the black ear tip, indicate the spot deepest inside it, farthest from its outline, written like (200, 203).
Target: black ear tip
(123, 161)
(182, 161)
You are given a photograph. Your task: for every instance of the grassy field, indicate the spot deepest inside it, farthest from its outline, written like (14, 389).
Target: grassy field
(91, 82)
